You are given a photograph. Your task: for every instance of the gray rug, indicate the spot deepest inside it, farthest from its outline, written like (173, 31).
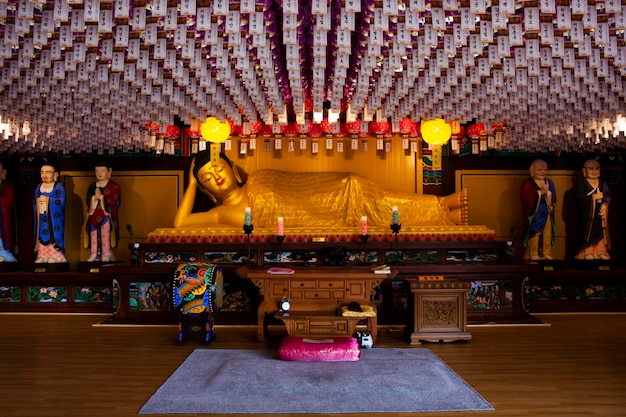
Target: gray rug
(218, 381)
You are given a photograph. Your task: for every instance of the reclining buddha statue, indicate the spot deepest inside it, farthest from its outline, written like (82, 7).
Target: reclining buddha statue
(322, 200)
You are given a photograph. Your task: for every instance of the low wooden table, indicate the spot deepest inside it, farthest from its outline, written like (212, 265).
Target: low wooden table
(324, 324)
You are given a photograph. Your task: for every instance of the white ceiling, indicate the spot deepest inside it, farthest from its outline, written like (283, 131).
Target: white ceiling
(88, 75)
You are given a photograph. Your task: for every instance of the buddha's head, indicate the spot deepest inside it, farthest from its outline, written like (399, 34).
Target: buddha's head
(538, 169)
(48, 173)
(103, 171)
(591, 169)
(216, 181)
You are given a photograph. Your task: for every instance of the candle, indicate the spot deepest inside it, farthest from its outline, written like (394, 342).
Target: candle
(394, 215)
(363, 225)
(281, 230)
(247, 218)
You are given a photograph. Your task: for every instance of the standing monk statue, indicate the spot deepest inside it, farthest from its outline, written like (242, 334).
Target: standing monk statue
(7, 207)
(538, 197)
(592, 201)
(49, 210)
(104, 197)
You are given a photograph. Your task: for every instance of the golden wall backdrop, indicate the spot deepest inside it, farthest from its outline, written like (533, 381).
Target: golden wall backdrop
(149, 201)
(395, 171)
(494, 198)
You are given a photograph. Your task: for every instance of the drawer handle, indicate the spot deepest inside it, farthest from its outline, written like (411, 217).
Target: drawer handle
(302, 284)
(330, 285)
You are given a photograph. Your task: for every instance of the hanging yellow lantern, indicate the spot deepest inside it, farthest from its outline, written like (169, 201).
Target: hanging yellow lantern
(436, 133)
(216, 133)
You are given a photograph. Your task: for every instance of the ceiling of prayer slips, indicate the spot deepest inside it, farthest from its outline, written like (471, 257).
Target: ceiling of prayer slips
(87, 75)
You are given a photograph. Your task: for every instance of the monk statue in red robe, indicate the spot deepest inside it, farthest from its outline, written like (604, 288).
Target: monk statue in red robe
(104, 197)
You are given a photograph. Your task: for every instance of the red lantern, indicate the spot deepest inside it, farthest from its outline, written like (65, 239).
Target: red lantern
(236, 130)
(315, 131)
(460, 133)
(326, 126)
(354, 128)
(379, 128)
(343, 132)
(267, 131)
(308, 105)
(256, 127)
(406, 125)
(153, 128)
(172, 132)
(474, 131)
(290, 130)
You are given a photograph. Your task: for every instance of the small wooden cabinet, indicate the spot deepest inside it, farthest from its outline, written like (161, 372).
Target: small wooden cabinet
(440, 311)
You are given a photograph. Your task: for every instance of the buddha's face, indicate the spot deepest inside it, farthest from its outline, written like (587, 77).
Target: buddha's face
(539, 170)
(217, 180)
(102, 173)
(591, 169)
(48, 174)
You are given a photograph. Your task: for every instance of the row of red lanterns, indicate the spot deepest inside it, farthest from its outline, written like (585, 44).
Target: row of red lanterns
(407, 127)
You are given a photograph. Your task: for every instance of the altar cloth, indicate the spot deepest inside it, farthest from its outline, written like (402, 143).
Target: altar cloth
(305, 235)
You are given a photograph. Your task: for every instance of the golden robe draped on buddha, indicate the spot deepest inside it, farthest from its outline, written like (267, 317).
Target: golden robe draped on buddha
(335, 200)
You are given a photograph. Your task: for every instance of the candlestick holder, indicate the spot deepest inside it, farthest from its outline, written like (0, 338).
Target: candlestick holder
(247, 229)
(395, 229)
(364, 239)
(280, 239)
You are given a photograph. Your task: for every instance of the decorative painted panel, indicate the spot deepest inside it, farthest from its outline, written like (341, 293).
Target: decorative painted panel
(11, 294)
(169, 257)
(93, 295)
(240, 257)
(150, 296)
(493, 294)
(471, 256)
(595, 292)
(47, 294)
(295, 257)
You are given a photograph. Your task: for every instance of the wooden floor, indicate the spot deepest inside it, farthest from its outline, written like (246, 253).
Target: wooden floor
(63, 365)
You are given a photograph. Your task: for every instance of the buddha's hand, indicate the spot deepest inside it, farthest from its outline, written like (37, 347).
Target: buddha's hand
(192, 178)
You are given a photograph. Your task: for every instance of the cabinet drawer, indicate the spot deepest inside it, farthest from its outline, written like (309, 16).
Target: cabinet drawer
(302, 284)
(321, 330)
(340, 327)
(331, 284)
(321, 322)
(356, 291)
(277, 289)
(317, 295)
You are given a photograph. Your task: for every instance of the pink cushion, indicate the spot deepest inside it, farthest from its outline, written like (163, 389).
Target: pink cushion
(338, 349)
